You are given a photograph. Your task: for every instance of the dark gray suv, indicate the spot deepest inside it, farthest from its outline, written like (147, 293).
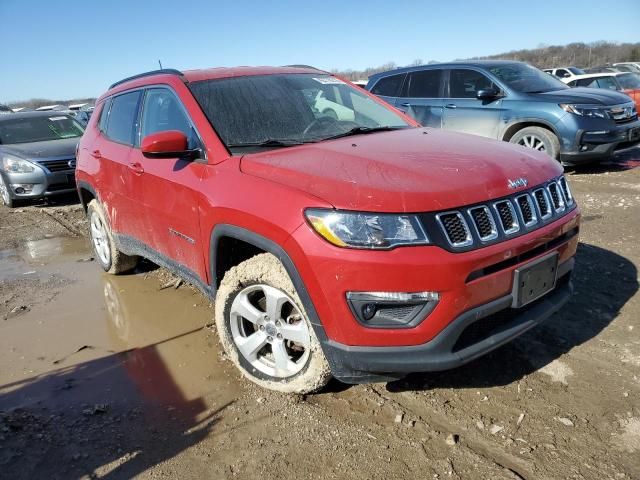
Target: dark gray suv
(514, 102)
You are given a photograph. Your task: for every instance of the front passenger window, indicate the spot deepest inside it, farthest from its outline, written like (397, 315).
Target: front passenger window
(466, 83)
(163, 111)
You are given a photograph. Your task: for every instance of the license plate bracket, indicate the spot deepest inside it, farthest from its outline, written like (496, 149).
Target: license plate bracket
(534, 279)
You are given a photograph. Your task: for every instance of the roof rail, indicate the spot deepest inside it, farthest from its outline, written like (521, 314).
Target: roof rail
(166, 71)
(302, 66)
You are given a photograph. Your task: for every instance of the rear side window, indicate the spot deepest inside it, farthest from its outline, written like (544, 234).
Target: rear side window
(388, 86)
(425, 84)
(466, 83)
(121, 125)
(607, 82)
(587, 82)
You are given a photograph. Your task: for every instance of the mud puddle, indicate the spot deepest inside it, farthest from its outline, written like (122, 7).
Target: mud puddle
(107, 341)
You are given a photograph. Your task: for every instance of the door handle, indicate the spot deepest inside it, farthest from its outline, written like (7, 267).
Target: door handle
(405, 104)
(136, 168)
(96, 154)
(450, 105)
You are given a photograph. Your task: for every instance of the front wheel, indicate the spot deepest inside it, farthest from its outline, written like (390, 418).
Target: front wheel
(264, 328)
(538, 138)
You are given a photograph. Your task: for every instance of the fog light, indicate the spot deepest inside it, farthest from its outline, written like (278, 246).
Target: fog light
(392, 309)
(22, 188)
(368, 311)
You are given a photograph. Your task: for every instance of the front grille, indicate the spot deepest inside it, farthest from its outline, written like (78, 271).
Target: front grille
(623, 113)
(455, 228)
(483, 221)
(507, 216)
(474, 226)
(543, 204)
(59, 165)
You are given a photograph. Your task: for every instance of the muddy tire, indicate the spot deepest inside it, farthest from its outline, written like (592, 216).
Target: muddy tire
(538, 138)
(264, 328)
(106, 253)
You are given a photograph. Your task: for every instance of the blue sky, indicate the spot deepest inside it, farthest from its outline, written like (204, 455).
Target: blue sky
(76, 48)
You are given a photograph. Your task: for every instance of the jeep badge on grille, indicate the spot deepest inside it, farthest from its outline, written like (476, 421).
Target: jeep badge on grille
(517, 183)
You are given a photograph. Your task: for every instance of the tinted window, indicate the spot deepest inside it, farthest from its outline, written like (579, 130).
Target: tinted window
(122, 117)
(104, 115)
(588, 82)
(576, 71)
(562, 73)
(629, 81)
(424, 84)
(526, 79)
(163, 111)
(466, 83)
(607, 82)
(388, 86)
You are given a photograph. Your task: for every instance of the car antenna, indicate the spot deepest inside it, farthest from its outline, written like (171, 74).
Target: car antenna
(160, 63)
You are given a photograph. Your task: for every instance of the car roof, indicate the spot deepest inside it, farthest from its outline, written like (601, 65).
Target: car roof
(602, 74)
(462, 63)
(46, 113)
(215, 73)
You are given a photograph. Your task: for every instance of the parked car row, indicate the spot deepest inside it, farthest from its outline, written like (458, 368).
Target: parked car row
(625, 82)
(517, 103)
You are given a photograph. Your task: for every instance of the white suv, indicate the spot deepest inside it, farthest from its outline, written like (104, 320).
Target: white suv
(564, 73)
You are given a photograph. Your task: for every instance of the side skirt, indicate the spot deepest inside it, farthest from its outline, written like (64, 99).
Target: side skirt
(132, 246)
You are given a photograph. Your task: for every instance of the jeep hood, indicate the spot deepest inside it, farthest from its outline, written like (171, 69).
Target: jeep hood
(413, 170)
(63, 148)
(584, 95)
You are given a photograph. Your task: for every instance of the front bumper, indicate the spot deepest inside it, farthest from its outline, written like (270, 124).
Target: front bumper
(593, 140)
(41, 183)
(474, 333)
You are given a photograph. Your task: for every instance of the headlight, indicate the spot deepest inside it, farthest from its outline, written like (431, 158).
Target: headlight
(592, 111)
(17, 165)
(367, 230)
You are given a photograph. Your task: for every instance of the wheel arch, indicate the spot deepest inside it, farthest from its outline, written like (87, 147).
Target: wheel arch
(512, 128)
(86, 193)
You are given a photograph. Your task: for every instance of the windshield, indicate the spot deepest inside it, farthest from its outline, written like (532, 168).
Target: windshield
(38, 129)
(576, 71)
(524, 78)
(267, 111)
(629, 81)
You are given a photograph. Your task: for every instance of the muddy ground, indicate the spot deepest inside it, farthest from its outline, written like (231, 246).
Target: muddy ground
(115, 377)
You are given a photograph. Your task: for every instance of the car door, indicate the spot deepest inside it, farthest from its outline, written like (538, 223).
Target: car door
(463, 111)
(421, 97)
(168, 186)
(113, 151)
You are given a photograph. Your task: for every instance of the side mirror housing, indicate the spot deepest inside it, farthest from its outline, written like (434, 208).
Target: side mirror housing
(487, 93)
(167, 144)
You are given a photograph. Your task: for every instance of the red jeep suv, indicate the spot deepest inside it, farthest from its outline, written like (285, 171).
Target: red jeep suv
(337, 236)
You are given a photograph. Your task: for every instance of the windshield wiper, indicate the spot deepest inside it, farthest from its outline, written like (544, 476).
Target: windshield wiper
(272, 142)
(363, 130)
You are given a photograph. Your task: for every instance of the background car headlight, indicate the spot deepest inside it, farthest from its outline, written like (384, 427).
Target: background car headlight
(585, 110)
(367, 230)
(17, 165)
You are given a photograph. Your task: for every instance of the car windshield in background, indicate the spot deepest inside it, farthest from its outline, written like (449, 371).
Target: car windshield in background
(576, 71)
(526, 79)
(270, 111)
(629, 81)
(38, 129)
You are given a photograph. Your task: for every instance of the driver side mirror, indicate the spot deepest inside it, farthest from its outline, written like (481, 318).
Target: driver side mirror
(167, 144)
(487, 93)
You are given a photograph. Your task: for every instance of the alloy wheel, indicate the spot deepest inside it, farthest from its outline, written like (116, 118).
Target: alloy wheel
(100, 239)
(532, 141)
(269, 331)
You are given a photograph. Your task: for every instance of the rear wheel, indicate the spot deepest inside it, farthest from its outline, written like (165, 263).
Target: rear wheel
(265, 330)
(538, 138)
(107, 254)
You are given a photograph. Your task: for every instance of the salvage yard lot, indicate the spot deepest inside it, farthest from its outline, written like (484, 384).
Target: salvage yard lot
(122, 376)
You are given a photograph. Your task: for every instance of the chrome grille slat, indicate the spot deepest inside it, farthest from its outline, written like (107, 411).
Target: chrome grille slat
(543, 203)
(507, 216)
(484, 223)
(455, 228)
(58, 165)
